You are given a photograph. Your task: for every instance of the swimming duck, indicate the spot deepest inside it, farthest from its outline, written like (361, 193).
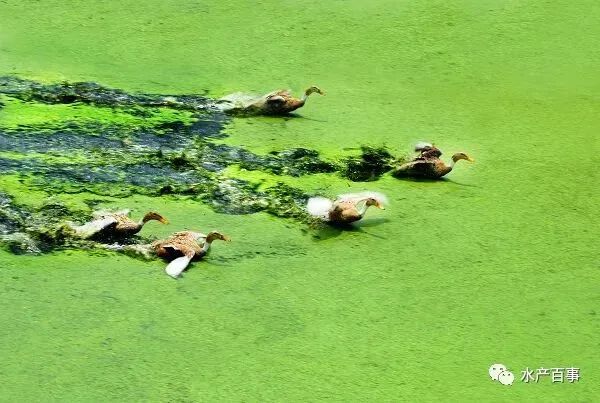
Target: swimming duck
(182, 247)
(346, 208)
(114, 225)
(275, 103)
(428, 164)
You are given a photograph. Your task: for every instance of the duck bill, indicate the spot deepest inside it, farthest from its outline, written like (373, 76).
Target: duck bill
(470, 159)
(163, 220)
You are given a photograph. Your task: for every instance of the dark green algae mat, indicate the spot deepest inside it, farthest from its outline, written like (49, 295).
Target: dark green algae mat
(498, 263)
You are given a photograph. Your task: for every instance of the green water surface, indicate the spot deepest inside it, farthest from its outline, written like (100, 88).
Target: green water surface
(499, 263)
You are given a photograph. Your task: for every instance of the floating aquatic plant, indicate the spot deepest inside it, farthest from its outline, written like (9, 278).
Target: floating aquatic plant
(139, 147)
(370, 165)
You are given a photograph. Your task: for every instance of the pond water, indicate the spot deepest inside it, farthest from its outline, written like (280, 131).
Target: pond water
(497, 263)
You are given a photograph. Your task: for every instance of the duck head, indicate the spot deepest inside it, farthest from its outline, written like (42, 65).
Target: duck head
(313, 89)
(462, 156)
(214, 235)
(154, 216)
(375, 203)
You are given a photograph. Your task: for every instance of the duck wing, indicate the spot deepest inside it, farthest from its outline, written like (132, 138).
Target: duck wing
(281, 93)
(276, 99)
(105, 213)
(419, 167)
(279, 96)
(172, 246)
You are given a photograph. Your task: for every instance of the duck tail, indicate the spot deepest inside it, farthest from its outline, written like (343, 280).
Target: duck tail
(177, 266)
(319, 207)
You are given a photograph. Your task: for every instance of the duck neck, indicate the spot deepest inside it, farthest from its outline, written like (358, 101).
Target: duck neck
(444, 169)
(362, 206)
(306, 95)
(145, 219)
(206, 246)
(209, 238)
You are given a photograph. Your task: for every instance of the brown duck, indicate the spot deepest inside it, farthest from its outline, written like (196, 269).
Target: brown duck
(280, 102)
(346, 208)
(106, 225)
(183, 247)
(428, 165)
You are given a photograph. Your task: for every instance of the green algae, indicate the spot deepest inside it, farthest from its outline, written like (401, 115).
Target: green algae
(35, 115)
(110, 153)
(372, 163)
(36, 230)
(50, 148)
(494, 264)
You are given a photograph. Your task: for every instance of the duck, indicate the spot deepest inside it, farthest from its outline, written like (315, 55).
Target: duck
(114, 225)
(183, 247)
(428, 164)
(345, 208)
(275, 103)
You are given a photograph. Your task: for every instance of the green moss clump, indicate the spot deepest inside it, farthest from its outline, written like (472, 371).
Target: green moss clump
(369, 166)
(93, 93)
(34, 230)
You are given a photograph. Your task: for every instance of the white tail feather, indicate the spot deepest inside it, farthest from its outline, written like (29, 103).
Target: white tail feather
(319, 207)
(177, 266)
